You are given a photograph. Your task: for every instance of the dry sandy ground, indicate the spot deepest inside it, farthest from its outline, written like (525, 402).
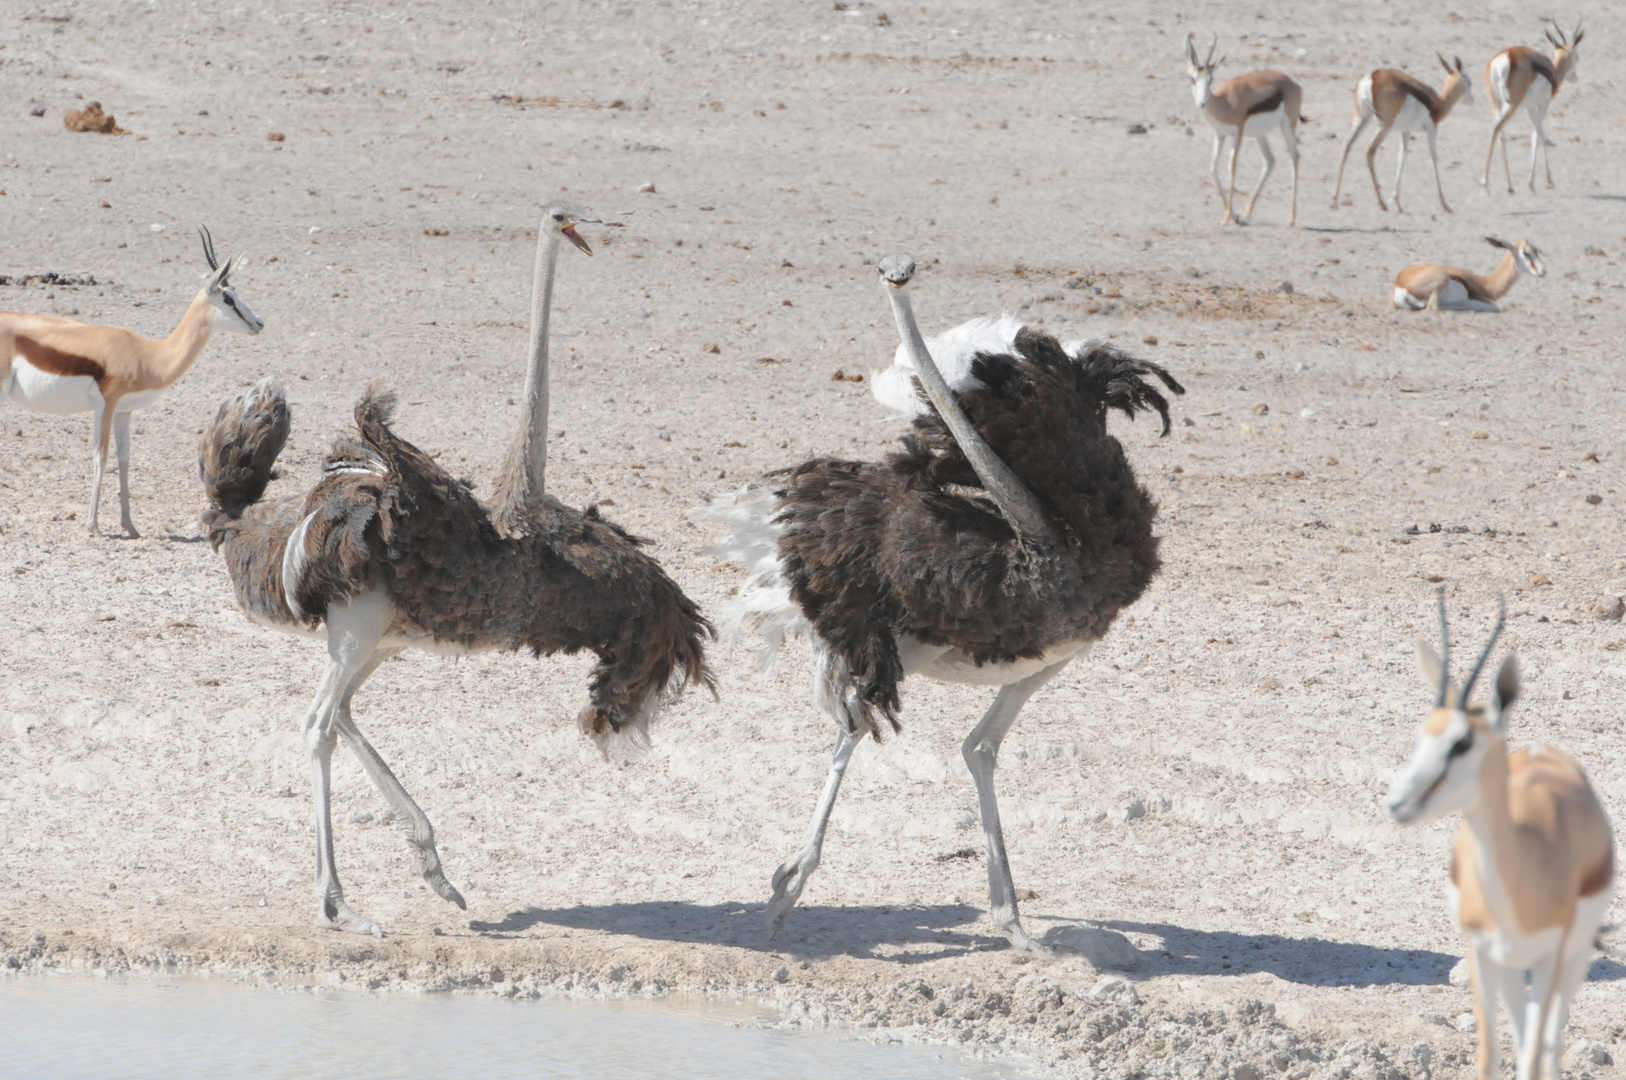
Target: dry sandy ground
(153, 795)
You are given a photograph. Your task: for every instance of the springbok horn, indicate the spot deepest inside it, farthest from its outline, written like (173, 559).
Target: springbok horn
(1496, 632)
(1211, 47)
(1445, 657)
(208, 247)
(1446, 64)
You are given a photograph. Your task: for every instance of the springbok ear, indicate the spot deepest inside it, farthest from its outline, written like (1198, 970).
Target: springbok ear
(1505, 693)
(1458, 59)
(1428, 664)
(1576, 40)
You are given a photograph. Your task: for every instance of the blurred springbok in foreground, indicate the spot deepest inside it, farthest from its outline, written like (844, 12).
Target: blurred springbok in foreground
(1533, 866)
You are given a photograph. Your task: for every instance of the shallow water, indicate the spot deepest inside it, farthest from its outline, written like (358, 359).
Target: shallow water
(77, 1029)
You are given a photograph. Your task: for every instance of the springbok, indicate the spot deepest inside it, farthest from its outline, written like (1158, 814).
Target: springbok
(1532, 867)
(1521, 78)
(1248, 106)
(63, 367)
(1436, 286)
(1403, 104)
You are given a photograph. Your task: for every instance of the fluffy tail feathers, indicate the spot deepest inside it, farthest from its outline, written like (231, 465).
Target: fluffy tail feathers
(751, 538)
(238, 452)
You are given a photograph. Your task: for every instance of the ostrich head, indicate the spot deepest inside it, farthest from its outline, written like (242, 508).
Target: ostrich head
(230, 310)
(896, 271)
(565, 218)
(1202, 71)
(1524, 253)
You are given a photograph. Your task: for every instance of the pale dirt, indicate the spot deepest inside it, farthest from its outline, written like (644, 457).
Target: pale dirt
(154, 801)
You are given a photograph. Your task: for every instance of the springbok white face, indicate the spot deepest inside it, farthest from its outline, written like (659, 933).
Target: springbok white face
(1201, 71)
(1461, 74)
(233, 315)
(1525, 253)
(1443, 774)
(565, 218)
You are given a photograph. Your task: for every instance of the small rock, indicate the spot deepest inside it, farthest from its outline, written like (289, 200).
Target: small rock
(275, 136)
(1436, 1018)
(1246, 1071)
(1284, 286)
(1594, 499)
(497, 975)
(1608, 609)
(1467, 1024)
(781, 973)
(1479, 435)
(1539, 579)
(155, 227)
(711, 347)
(37, 110)
(1131, 810)
(1268, 685)
(647, 187)
(1106, 950)
(1116, 989)
(1459, 973)
(1260, 409)
(1137, 129)
(314, 229)
(1585, 1053)
(1149, 339)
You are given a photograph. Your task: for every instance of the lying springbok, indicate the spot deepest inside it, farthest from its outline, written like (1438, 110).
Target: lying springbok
(1521, 78)
(1533, 864)
(1249, 106)
(1402, 104)
(1436, 286)
(60, 366)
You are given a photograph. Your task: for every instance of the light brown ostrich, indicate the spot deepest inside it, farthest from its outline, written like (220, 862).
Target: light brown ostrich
(996, 546)
(388, 552)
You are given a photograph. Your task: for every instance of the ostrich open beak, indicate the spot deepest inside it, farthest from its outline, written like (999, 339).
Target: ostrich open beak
(575, 238)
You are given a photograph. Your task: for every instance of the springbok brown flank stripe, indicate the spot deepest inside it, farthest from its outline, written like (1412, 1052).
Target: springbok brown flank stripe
(56, 362)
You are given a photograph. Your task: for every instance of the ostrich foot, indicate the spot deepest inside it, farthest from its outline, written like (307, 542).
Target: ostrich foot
(788, 882)
(335, 914)
(1019, 938)
(436, 878)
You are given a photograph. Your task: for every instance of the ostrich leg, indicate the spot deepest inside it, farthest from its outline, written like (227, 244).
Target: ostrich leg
(792, 875)
(413, 821)
(353, 634)
(981, 752)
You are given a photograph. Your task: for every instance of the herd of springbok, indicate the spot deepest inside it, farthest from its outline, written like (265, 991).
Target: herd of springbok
(996, 547)
(1254, 105)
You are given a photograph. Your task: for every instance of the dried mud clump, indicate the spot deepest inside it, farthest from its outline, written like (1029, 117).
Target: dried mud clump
(91, 118)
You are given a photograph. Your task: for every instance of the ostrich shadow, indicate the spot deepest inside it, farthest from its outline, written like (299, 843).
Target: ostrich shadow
(915, 934)
(902, 933)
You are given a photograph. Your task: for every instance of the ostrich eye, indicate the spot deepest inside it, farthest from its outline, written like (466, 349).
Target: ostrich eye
(1461, 746)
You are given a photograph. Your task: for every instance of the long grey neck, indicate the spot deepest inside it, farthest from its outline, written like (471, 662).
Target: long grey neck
(1015, 501)
(533, 448)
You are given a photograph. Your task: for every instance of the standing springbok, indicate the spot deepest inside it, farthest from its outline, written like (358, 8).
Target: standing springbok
(62, 367)
(1402, 104)
(1532, 867)
(1248, 106)
(1436, 286)
(1521, 78)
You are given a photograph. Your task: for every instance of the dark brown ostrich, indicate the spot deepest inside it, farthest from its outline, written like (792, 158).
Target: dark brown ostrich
(996, 546)
(388, 552)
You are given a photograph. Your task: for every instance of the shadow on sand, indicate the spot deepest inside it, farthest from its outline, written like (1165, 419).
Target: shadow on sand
(911, 935)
